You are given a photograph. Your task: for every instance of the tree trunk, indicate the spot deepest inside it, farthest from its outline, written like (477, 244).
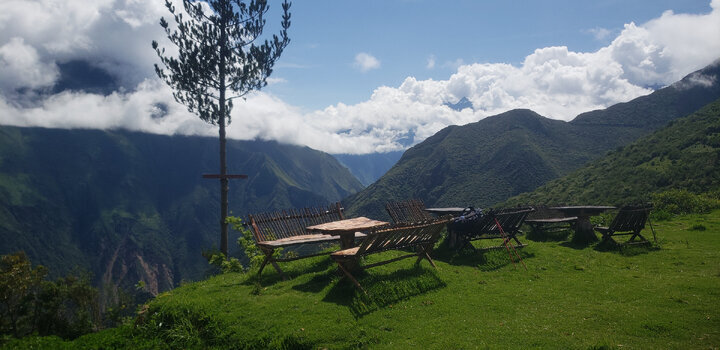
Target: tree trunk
(224, 188)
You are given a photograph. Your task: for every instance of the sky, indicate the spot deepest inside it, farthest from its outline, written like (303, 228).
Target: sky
(362, 77)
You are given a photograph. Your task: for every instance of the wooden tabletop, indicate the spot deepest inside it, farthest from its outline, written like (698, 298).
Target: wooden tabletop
(348, 225)
(453, 210)
(583, 209)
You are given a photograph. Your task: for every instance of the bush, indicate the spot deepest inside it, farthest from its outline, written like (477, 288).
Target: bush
(67, 307)
(678, 202)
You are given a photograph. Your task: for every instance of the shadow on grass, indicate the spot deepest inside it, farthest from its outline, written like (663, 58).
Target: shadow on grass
(485, 259)
(626, 249)
(291, 270)
(383, 289)
(576, 245)
(548, 235)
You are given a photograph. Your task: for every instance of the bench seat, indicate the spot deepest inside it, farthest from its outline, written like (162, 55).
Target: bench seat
(422, 237)
(289, 228)
(551, 220)
(304, 239)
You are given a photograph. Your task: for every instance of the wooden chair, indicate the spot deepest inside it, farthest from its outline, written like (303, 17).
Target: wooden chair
(630, 220)
(287, 228)
(485, 226)
(408, 211)
(544, 219)
(421, 236)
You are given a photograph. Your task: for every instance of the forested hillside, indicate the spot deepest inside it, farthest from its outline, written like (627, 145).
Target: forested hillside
(132, 207)
(684, 155)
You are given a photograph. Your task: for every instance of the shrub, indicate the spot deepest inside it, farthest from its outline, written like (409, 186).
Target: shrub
(677, 202)
(67, 307)
(698, 227)
(247, 242)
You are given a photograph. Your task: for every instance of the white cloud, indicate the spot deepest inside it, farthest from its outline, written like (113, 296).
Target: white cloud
(365, 62)
(273, 80)
(22, 67)
(454, 64)
(600, 33)
(430, 62)
(116, 35)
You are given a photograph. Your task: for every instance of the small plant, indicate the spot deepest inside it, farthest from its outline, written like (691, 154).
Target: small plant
(698, 227)
(247, 243)
(225, 265)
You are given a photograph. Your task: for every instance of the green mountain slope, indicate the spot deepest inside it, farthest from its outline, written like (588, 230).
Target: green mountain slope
(683, 155)
(486, 162)
(131, 206)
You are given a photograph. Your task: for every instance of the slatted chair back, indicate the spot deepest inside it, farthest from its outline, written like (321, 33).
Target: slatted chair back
(401, 237)
(511, 219)
(289, 223)
(630, 218)
(486, 225)
(408, 211)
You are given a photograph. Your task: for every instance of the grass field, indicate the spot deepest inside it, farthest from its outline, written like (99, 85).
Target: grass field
(663, 297)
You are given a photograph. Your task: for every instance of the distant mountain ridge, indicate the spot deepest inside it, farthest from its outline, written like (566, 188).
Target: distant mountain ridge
(498, 157)
(369, 167)
(133, 207)
(460, 104)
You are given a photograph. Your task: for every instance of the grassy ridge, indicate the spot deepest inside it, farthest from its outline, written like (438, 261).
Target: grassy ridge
(684, 155)
(568, 298)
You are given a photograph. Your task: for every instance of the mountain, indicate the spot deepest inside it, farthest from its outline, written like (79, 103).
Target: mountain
(683, 155)
(498, 157)
(369, 167)
(461, 104)
(133, 207)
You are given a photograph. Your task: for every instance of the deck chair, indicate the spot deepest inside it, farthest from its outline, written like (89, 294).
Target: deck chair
(408, 211)
(485, 226)
(630, 220)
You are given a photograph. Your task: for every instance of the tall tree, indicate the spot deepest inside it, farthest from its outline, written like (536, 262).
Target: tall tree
(219, 58)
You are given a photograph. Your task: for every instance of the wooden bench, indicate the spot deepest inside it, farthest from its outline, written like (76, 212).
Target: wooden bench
(408, 211)
(546, 219)
(630, 220)
(420, 236)
(485, 226)
(288, 228)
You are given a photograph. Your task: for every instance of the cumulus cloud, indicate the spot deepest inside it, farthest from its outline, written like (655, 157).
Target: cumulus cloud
(22, 67)
(365, 62)
(112, 34)
(36, 35)
(600, 33)
(273, 80)
(430, 62)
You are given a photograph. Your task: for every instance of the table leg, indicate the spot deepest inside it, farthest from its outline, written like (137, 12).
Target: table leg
(347, 241)
(584, 232)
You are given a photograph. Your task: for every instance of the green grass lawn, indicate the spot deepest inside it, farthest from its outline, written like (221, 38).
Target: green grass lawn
(664, 297)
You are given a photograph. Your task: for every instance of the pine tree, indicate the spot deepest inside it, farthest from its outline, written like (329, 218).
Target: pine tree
(220, 58)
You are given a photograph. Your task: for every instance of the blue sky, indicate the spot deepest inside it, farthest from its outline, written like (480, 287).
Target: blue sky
(362, 76)
(404, 34)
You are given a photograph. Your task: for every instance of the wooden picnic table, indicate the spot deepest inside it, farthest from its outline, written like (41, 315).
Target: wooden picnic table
(584, 232)
(346, 229)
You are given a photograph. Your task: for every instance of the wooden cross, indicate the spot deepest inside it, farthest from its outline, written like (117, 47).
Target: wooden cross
(226, 176)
